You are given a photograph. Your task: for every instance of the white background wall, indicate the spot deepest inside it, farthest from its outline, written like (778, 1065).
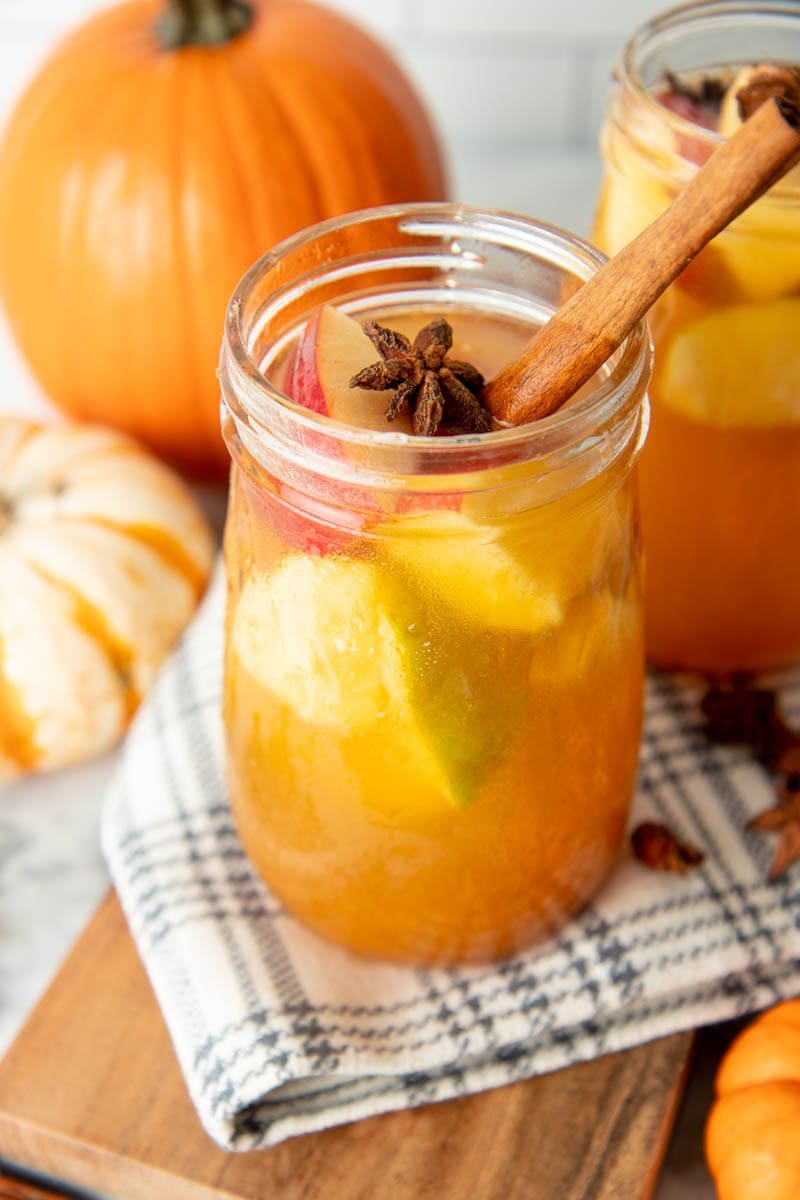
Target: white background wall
(517, 86)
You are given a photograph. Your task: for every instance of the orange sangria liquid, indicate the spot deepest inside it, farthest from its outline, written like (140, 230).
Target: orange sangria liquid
(720, 475)
(433, 692)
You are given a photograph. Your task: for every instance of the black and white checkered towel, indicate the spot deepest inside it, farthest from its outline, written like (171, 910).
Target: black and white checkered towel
(279, 1033)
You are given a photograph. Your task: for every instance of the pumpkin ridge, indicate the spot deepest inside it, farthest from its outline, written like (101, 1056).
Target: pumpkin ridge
(17, 727)
(166, 547)
(373, 80)
(165, 144)
(326, 104)
(261, 74)
(204, 414)
(136, 328)
(265, 69)
(56, 112)
(71, 470)
(91, 621)
(27, 431)
(403, 172)
(88, 385)
(219, 101)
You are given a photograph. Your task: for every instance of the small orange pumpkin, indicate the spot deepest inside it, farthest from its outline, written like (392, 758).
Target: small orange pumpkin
(753, 1132)
(151, 161)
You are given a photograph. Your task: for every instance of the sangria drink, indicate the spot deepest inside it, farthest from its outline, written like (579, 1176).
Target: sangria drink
(720, 476)
(433, 689)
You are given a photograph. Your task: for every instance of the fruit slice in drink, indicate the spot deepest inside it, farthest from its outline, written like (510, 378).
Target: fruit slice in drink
(351, 651)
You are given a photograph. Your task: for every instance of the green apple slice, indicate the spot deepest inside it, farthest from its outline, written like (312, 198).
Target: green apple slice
(467, 566)
(469, 696)
(354, 652)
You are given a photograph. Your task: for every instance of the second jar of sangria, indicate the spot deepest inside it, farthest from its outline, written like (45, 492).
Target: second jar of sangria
(720, 476)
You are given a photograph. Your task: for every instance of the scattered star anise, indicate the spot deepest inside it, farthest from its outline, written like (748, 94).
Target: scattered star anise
(437, 389)
(783, 819)
(659, 848)
(738, 713)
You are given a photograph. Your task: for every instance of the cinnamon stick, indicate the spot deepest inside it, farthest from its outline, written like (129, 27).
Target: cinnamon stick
(594, 322)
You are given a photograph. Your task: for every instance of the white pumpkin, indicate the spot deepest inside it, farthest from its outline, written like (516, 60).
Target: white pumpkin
(103, 557)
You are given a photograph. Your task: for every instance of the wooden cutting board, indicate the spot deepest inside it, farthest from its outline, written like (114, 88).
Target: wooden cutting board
(90, 1093)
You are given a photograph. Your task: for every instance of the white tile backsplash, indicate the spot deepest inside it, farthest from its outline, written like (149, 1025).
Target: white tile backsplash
(598, 87)
(555, 185)
(579, 18)
(515, 72)
(50, 16)
(493, 96)
(381, 16)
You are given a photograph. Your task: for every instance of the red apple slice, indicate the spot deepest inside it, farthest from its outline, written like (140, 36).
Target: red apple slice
(301, 521)
(691, 148)
(333, 349)
(687, 108)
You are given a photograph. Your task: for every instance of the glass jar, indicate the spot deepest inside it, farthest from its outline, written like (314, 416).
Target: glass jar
(434, 664)
(720, 476)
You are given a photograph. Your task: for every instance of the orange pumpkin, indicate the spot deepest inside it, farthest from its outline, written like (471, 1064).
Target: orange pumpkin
(753, 1132)
(150, 162)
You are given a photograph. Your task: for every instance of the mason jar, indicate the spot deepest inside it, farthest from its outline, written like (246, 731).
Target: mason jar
(720, 477)
(434, 663)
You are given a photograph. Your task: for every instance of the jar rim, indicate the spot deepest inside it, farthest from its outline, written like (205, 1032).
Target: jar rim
(688, 16)
(254, 396)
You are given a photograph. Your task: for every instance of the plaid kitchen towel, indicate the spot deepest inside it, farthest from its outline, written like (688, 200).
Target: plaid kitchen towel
(279, 1033)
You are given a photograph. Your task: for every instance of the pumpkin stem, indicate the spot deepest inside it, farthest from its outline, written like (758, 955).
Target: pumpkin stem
(202, 22)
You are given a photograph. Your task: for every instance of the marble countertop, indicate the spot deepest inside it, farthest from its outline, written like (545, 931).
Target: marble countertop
(51, 870)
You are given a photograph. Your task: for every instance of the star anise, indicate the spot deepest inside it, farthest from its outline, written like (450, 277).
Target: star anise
(708, 91)
(737, 712)
(437, 389)
(783, 819)
(660, 849)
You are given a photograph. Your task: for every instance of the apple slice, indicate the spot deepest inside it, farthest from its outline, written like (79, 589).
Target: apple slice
(762, 248)
(693, 112)
(306, 522)
(730, 119)
(343, 648)
(333, 349)
(737, 366)
(469, 568)
(687, 108)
